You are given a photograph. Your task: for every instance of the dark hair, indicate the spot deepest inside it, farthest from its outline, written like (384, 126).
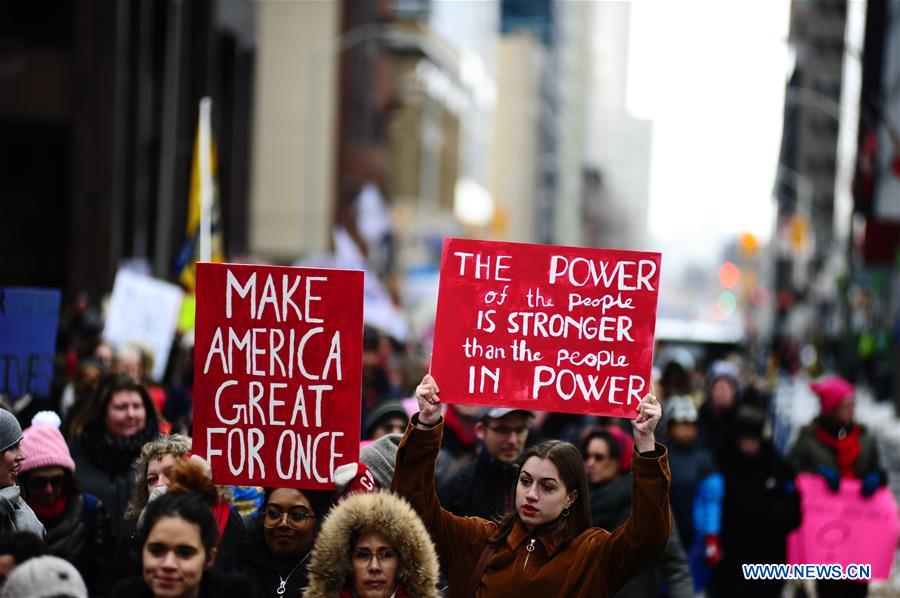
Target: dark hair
(23, 546)
(188, 506)
(321, 501)
(573, 476)
(615, 451)
(71, 485)
(95, 410)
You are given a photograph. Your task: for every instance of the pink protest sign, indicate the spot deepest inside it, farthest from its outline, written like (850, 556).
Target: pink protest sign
(544, 327)
(844, 528)
(277, 373)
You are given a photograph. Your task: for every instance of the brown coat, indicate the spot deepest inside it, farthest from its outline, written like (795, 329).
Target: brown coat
(594, 564)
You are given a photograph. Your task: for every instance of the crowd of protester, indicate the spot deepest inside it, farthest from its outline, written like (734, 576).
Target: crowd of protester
(100, 494)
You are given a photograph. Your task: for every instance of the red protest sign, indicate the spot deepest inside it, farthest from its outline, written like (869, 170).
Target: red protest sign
(543, 327)
(277, 373)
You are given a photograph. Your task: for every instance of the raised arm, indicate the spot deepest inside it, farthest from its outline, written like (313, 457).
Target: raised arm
(459, 540)
(639, 541)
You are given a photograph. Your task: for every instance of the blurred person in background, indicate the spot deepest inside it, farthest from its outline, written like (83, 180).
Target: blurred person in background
(275, 554)
(689, 462)
(82, 387)
(77, 524)
(835, 447)
(137, 361)
(178, 537)
(460, 443)
(760, 507)
(676, 367)
(610, 506)
(387, 417)
(377, 382)
(483, 487)
(15, 514)
(717, 411)
(16, 548)
(107, 436)
(373, 546)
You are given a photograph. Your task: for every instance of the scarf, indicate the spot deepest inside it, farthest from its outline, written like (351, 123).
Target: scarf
(847, 448)
(221, 511)
(115, 455)
(453, 422)
(51, 511)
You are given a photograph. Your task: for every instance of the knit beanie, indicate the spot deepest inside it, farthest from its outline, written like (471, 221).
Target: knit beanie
(832, 391)
(353, 477)
(45, 446)
(723, 370)
(45, 577)
(10, 430)
(380, 457)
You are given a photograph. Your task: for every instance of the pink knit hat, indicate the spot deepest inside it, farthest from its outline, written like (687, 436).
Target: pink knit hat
(45, 446)
(832, 391)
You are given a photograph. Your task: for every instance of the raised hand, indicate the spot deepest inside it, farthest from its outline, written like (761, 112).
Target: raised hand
(649, 413)
(429, 402)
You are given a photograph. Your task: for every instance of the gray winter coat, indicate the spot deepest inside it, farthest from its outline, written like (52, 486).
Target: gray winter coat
(16, 515)
(330, 565)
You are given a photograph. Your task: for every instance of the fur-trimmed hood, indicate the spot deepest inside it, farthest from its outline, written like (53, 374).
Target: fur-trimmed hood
(330, 567)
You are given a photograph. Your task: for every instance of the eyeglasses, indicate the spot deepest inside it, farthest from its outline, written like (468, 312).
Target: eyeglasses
(40, 482)
(363, 556)
(597, 457)
(506, 430)
(296, 518)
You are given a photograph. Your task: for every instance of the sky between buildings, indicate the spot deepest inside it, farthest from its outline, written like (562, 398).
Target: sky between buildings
(711, 76)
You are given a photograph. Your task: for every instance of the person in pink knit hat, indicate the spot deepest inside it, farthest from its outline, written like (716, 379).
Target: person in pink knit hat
(77, 524)
(836, 447)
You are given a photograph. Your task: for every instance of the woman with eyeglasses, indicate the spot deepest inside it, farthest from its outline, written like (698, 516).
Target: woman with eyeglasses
(544, 545)
(610, 507)
(275, 554)
(373, 546)
(78, 527)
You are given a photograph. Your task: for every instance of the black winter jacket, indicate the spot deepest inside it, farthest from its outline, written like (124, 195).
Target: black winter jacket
(82, 535)
(481, 488)
(215, 584)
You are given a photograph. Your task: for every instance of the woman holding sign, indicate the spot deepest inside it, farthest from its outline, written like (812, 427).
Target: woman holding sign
(545, 545)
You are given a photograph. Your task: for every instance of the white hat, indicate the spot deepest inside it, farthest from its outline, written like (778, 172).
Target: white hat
(681, 408)
(45, 577)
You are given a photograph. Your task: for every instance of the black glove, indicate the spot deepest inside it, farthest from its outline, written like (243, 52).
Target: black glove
(832, 477)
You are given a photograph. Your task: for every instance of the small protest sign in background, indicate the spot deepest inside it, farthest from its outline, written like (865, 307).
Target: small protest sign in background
(543, 327)
(144, 310)
(844, 528)
(28, 323)
(277, 373)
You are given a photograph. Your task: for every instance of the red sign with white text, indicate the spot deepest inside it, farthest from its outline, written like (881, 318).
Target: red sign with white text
(277, 373)
(544, 327)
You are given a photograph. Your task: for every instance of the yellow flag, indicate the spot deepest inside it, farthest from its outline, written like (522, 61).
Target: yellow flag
(189, 253)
